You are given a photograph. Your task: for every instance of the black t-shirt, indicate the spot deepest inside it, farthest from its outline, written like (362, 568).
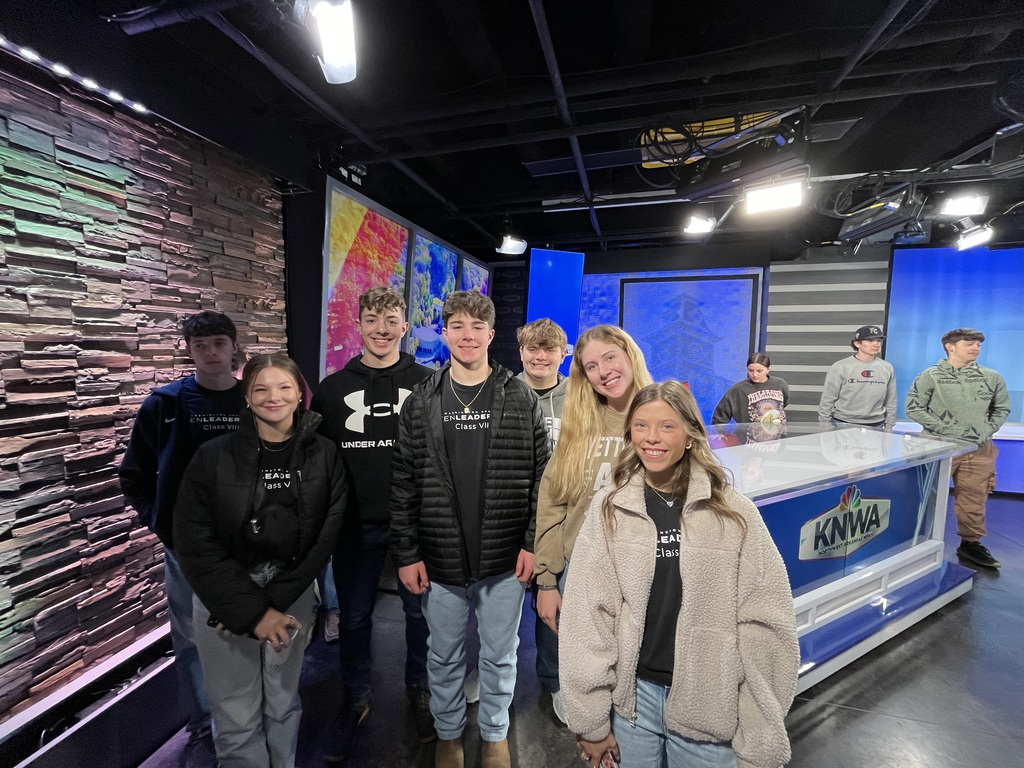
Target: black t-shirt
(466, 421)
(657, 651)
(210, 412)
(272, 530)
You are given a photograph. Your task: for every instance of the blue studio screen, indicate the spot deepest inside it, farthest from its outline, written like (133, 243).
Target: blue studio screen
(696, 326)
(934, 290)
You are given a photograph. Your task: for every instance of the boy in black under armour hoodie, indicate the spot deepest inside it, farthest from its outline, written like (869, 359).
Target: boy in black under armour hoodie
(360, 406)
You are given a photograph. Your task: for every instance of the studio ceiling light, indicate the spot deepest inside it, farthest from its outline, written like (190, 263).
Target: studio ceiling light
(964, 205)
(776, 196)
(971, 234)
(700, 225)
(332, 23)
(511, 244)
(61, 70)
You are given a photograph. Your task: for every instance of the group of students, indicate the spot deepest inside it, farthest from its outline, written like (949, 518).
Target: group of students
(670, 641)
(956, 398)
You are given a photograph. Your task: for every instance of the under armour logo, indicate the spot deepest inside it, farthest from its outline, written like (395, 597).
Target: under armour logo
(360, 410)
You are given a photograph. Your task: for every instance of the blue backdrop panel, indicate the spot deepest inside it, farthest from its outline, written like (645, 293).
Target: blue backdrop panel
(830, 533)
(556, 281)
(697, 328)
(934, 290)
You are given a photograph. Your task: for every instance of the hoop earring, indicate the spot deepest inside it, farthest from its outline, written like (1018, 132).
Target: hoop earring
(689, 445)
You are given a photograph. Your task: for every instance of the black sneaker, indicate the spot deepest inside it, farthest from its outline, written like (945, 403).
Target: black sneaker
(341, 736)
(975, 552)
(419, 700)
(199, 751)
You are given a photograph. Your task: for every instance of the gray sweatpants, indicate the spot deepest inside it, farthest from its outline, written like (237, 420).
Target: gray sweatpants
(254, 690)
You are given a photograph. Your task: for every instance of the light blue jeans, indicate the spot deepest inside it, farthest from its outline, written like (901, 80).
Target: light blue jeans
(499, 603)
(186, 658)
(648, 743)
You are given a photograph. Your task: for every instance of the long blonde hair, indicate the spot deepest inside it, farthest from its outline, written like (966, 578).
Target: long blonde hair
(582, 419)
(680, 400)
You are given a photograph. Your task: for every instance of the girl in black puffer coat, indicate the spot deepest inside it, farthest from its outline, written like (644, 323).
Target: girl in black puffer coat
(257, 516)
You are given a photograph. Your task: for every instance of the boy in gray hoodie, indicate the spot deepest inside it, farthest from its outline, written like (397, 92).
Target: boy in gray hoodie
(543, 346)
(959, 399)
(860, 389)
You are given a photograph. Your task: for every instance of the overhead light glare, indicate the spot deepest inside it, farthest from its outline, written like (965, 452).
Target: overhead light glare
(511, 246)
(61, 70)
(700, 225)
(139, 107)
(335, 26)
(964, 205)
(971, 234)
(28, 54)
(91, 84)
(115, 96)
(775, 197)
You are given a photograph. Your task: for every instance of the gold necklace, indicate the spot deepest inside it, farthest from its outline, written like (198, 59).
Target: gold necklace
(465, 406)
(668, 502)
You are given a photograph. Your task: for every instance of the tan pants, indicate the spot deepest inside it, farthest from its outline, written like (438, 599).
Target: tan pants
(974, 478)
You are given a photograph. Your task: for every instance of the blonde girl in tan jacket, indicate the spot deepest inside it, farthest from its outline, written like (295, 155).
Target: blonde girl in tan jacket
(607, 370)
(678, 642)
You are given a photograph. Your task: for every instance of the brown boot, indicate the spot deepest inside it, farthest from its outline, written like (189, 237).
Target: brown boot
(496, 754)
(449, 754)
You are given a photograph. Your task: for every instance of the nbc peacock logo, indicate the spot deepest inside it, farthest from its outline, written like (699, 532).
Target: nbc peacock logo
(844, 528)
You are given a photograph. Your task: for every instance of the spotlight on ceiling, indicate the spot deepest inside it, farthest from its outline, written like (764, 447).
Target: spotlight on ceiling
(333, 26)
(511, 243)
(964, 205)
(787, 193)
(700, 225)
(972, 234)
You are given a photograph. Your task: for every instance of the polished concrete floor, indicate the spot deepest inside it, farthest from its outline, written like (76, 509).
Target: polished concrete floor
(946, 693)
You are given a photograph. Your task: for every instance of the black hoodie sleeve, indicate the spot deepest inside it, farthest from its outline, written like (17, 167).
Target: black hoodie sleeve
(221, 582)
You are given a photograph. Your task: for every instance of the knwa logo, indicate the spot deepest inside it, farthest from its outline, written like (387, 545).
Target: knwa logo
(845, 528)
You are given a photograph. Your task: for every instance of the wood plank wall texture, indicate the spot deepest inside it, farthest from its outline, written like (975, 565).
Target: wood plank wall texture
(112, 228)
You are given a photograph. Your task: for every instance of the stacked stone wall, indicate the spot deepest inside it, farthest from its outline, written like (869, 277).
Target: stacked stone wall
(112, 229)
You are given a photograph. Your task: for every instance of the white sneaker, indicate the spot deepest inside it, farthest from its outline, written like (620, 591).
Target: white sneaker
(556, 704)
(472, 686)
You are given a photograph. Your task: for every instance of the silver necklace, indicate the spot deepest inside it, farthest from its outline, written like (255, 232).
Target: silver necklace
(465, 406)
(275, 450)
(668, 502)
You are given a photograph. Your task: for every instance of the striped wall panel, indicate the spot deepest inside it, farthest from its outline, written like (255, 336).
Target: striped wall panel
(814, 306)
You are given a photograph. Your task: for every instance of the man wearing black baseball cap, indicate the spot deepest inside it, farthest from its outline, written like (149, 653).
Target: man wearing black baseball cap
(860, 389)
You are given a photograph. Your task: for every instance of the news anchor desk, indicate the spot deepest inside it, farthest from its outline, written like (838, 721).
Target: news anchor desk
(858, 515)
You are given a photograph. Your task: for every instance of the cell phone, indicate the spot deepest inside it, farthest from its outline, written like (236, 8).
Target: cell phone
(212, 622)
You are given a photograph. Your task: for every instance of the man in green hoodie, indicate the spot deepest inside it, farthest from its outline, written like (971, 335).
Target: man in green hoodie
(960, 399)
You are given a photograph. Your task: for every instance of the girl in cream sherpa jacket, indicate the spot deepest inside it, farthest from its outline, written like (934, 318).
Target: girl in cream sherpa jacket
(736, 652)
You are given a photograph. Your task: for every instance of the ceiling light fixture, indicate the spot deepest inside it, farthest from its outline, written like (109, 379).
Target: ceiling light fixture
(332, 24)
(700, 225)
(62, 70)
(971, 234)
(964, 205)
(779, 195)
(511, 243)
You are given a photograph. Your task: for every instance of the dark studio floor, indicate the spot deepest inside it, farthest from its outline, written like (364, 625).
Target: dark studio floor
(946, 693)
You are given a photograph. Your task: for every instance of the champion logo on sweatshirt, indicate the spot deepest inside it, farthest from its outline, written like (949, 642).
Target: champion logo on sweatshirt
(356, 422)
